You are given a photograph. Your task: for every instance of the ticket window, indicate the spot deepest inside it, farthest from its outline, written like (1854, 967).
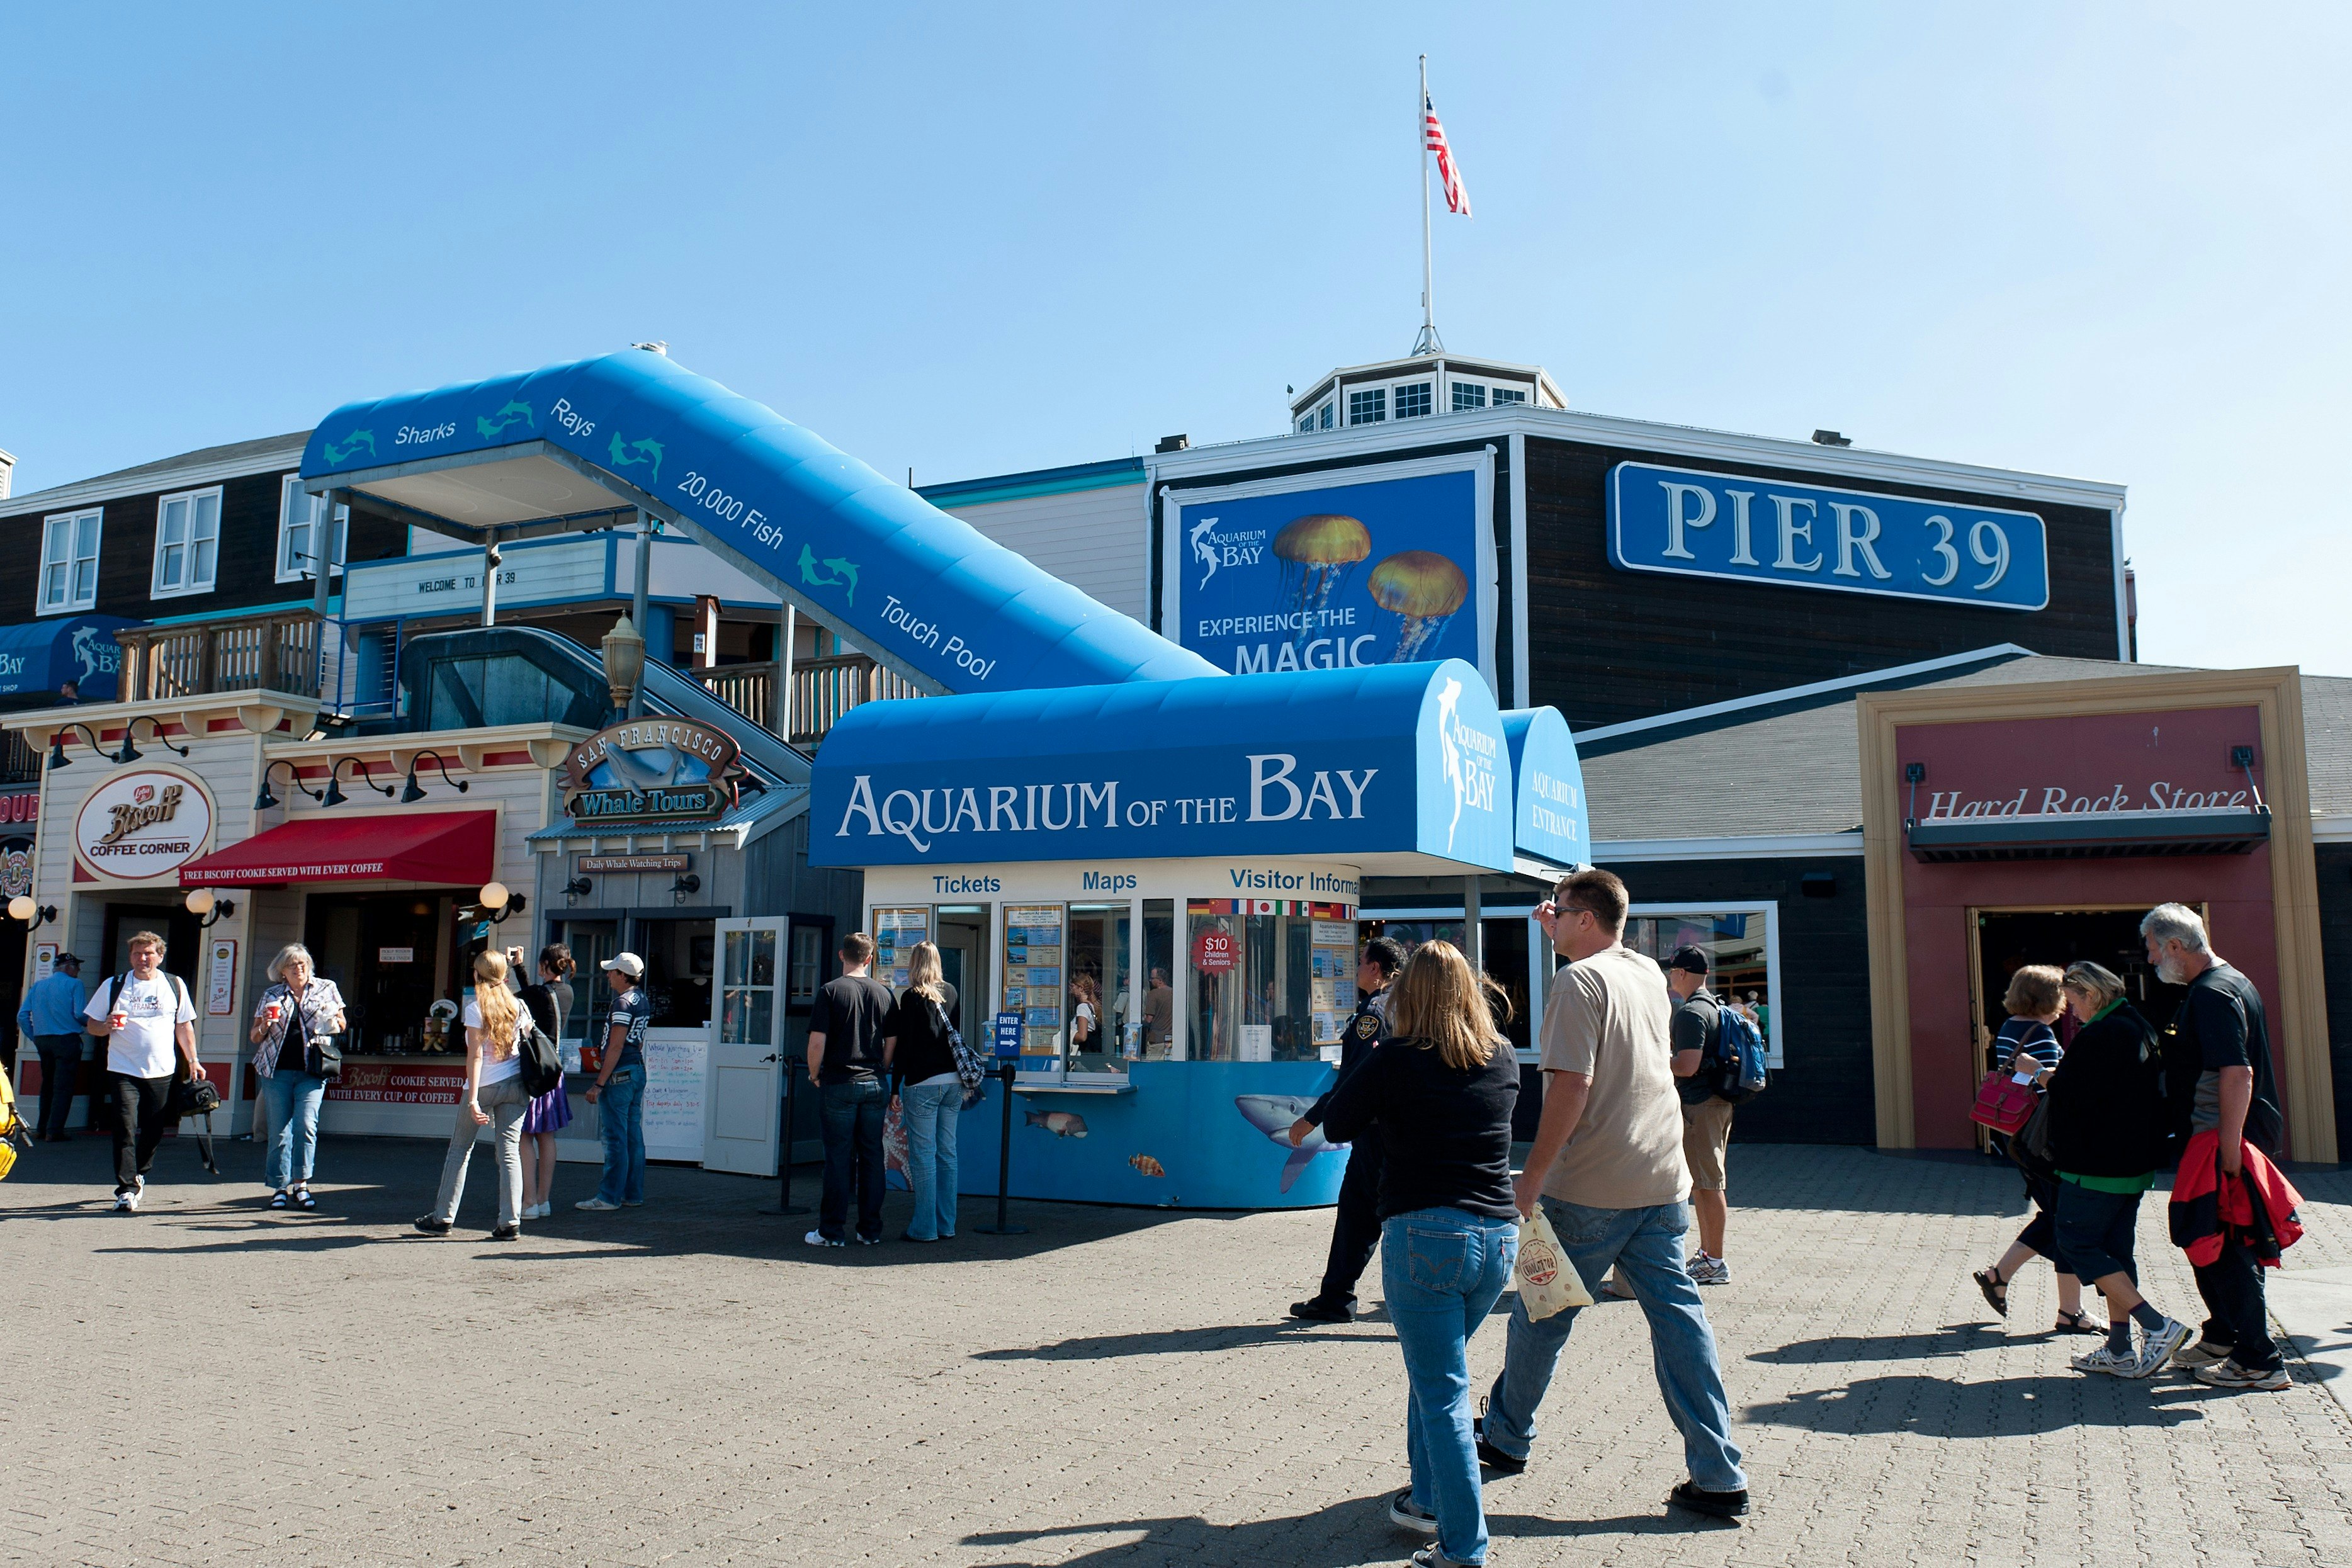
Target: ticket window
(1034, 983)
(1267, 987)
(1097, 1004)
(1153, 1017)
(963, 964)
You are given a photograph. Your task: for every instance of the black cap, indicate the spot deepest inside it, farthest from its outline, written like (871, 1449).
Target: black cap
(1691, 960)
(67, 959)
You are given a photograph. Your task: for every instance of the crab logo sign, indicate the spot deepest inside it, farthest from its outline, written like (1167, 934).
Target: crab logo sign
(143, 825)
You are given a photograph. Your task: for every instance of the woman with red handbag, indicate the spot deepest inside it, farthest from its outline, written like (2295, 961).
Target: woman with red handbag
(2026, 1044)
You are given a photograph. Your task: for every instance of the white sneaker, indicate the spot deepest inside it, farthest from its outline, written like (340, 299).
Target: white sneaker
(2107, 1360)
(819, 1238)
(2157, 1348)
(597, 1206)
(537, 1211)
(1706, 1270)
(127, 1202)
(2204, 1353)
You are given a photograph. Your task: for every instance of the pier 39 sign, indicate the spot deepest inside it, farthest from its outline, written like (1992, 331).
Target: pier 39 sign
(1698, 523)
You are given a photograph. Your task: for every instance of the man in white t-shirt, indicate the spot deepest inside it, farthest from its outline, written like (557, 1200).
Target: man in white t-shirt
(141, 1015)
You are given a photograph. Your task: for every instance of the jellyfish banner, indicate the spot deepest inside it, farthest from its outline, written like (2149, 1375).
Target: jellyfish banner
(1384, 569)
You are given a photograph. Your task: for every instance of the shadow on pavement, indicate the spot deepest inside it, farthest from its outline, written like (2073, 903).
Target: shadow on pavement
(1998, 1408)
(1953, 1339)
(1342, 1536)
(1169, 1342)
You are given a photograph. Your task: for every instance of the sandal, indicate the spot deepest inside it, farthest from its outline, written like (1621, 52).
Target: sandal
(302, 1199)
(278, 1201)
(2077, 1323)
(1995, 1289)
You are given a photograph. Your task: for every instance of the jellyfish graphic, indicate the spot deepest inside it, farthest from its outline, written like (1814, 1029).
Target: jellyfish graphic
(1423, 589)
(1316, 552)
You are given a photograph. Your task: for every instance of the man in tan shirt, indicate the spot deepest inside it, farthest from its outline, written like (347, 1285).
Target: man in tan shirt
(1607, 1166)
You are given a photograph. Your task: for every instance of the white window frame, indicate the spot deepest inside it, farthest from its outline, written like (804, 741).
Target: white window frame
(299, 573)
(1770, 910)
(68, 521)
(156, 588)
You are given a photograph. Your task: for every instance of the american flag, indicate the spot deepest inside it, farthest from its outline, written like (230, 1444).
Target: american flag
(1457, 195)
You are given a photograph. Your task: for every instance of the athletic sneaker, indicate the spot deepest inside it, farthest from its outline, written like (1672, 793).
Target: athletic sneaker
(819, 1238)
(1715, 1504)
(597, 1206)
(1706, 1270)
(2204, 1353)
(2107, 1360)
(2228, 1373)
(2157, 1349)
(1403, 1513)
(1434, 1556)
(1493, 1457)
(127, 1201)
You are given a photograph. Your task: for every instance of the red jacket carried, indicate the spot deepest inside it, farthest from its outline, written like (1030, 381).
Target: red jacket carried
(2258, 1208)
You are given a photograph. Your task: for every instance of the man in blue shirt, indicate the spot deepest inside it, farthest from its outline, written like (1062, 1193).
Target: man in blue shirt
(619, 1091)
(51, 1016)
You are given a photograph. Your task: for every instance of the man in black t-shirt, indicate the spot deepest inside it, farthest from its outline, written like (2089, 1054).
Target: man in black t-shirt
(2222, 1026)
(1696, 1033)
(848, 1052)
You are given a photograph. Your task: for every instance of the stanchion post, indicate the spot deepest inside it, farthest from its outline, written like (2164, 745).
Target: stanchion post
(1004, 1159)
(784, 1204)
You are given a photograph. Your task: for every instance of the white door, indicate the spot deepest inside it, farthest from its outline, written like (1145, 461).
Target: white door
(746, 1082)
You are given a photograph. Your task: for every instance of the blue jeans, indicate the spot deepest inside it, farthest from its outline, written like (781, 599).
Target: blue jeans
(621, 1117)
(932, 1112)
(1443, 1271)
(851, 1116)
(1646, 1245)
(291, 1098)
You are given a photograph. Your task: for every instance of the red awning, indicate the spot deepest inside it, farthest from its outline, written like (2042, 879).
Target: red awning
(450, 848)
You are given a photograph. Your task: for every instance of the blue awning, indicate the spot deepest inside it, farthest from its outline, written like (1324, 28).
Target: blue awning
(41, 655)
(1549, 821)
(1397, 769)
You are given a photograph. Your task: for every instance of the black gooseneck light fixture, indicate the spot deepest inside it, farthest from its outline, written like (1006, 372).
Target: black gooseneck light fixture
(130, 753)
(266, 802)
(57, 744)
(412, 791)
(334, 795)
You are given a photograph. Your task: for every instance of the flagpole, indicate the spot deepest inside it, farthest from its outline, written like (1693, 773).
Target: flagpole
(1427, 342)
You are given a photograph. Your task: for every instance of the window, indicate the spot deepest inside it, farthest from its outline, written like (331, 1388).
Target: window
(187, 542)
(1270, 982)
(1508, 394)
(1413, 401)
(1367, 407)
(1306, 423)
(69, 562)
(812, 939)
(1323, 416)
(1469, 395)
(1742, 951)
(298, 509)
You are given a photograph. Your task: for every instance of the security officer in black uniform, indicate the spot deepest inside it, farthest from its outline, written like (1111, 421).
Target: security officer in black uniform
(1356, 1231)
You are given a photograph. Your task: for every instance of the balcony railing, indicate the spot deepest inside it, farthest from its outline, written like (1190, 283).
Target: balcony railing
(19, 763)
(275, 653)
(823, 690)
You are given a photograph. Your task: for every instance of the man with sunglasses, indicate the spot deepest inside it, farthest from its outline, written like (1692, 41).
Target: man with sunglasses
(1607, 1166)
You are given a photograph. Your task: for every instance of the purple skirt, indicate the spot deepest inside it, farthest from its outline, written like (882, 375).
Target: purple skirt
(547, 1112)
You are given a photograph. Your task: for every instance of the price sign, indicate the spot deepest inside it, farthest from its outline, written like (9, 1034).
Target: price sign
(1008, 1035)
(1214, 954)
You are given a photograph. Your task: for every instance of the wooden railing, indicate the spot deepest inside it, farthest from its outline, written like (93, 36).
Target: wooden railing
(19, 763)
(823, 690)
(276, 653)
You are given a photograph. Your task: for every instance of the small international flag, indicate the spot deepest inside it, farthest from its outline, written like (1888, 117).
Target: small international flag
(1457, 195)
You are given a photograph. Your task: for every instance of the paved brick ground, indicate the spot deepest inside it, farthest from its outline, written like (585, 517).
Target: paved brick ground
(210, 1383)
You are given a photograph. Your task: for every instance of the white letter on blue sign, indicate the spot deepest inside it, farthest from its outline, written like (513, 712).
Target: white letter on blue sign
(1851, 538)
(1743, 553)
(861, 798)
(1260, 778)
(1675, 522)
(1790, 533)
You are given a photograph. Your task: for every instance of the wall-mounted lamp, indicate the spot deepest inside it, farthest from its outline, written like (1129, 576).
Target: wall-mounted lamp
(496, 903)
(57, 745)
(266, 802)
(34, 915)
(684, 884)
(576, 887)
(130, 753)
(414, 792)
(334, 795)
(199, 900)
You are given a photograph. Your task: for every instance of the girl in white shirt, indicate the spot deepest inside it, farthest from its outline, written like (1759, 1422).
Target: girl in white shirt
(494, 1090)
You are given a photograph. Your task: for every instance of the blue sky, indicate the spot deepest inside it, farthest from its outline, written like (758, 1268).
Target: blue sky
(2098, 240)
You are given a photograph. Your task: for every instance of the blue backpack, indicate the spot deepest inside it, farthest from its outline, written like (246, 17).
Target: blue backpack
(1738, 1065)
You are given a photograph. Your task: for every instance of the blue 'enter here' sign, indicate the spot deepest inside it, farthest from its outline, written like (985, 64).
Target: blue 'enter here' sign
(1804, 536)
(1008, 1034)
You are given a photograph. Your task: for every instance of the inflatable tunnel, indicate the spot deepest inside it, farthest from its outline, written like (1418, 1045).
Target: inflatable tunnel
(577, 446)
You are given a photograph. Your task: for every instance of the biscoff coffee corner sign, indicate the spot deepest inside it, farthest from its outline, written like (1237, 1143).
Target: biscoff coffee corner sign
(143, 825)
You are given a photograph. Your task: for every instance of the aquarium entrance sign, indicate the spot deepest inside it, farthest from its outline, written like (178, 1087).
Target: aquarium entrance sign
(1339, 569)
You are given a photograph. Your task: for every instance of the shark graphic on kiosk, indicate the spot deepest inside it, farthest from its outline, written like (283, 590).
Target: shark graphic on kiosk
(1273, 1115)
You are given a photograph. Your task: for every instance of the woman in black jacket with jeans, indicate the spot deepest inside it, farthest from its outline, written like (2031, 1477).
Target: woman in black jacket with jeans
(1441, 1088)
(2106, 1138)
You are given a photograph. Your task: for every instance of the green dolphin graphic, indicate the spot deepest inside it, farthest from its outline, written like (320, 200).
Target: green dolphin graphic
(647, 450)
(845, 572)
(341, 451)
(842, 572)
(506, 417)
